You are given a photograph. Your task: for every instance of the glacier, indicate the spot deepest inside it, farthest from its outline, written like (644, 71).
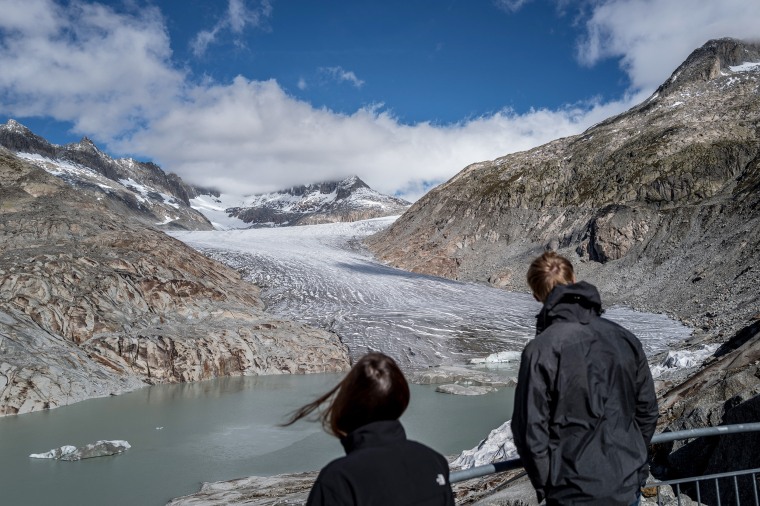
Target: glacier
(322, 275)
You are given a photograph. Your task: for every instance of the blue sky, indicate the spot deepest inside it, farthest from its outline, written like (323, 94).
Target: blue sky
(252, 95)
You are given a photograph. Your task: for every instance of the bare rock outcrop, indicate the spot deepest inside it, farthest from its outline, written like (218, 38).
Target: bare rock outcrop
(140, 190)
(252, 491)
(91, 304)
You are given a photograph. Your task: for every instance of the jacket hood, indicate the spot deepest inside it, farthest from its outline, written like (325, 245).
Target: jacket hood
(374, 434)
(579, 302)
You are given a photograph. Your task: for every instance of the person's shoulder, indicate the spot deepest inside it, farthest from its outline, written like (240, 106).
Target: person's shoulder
(614, 326)
(333, 484)
(553, 335)
(334, 468)
(424, 451)
(622, 332)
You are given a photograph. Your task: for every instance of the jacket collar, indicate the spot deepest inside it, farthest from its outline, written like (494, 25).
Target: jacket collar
(374, 434)
(579, 302)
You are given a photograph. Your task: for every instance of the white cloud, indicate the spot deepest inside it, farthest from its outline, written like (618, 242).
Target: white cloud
(302, 84)
(341, 75)
(258, 138)
(106, 72)
(237, 17)
(112, 75)
(653, 37)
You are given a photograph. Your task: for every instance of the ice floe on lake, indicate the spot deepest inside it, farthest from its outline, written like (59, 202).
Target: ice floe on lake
(97, 449)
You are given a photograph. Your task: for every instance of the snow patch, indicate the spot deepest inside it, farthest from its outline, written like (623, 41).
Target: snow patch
(498, 358)
(142, 192)
(496, 447)
(214, 209)
(746, 67)
(683, 359)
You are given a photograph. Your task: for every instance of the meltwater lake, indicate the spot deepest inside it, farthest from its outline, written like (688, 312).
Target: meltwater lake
(183, 435)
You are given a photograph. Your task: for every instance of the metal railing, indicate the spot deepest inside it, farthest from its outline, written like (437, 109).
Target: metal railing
(733, 478)
(664, 437)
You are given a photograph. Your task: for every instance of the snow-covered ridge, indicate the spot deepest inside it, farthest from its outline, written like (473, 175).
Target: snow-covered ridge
(140, 189)
(75, 173)
(347, 200)
(314, 197)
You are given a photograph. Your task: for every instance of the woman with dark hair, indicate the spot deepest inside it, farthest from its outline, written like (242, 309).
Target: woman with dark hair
(381, 466)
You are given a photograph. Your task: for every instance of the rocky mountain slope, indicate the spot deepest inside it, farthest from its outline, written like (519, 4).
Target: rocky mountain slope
(347, 200)
(141, 190)
(149, 195)
(93, 303)
(658, 206)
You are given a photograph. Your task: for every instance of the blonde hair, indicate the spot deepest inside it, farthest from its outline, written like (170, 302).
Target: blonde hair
(548, 271)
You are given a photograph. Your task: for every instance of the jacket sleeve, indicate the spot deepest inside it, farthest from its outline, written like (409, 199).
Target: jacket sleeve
(647, 411)
(531, 416)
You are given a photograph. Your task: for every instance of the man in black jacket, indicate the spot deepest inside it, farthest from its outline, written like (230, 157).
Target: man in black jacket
(585, 407)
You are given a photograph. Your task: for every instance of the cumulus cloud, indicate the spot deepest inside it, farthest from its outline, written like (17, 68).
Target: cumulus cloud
(341, 75)
(111, 74)
(237, 17)
(260, 139)
(106, 72)
(652, 37)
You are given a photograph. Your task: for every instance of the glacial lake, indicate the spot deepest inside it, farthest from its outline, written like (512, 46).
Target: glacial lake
(183, 435)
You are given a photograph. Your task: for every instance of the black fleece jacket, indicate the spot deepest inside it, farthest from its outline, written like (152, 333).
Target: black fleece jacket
(383, 468)
(585, 407)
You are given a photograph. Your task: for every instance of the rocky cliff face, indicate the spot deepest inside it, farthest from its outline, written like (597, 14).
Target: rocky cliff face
(92, 304)
(659, 207)
(339, 201)
(140, 190)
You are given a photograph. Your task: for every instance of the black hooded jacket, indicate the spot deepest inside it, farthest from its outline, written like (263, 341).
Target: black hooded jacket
(383, 468)
(585, 407)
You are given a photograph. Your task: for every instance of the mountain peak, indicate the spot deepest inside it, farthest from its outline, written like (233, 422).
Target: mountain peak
(712, 60)
(350, 199)
(86, 143)
(15, 126)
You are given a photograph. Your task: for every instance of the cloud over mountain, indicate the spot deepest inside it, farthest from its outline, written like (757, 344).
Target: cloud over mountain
(112, 74)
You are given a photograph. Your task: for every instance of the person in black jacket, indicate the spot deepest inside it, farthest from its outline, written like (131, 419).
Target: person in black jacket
(585, 407)
(381, 466)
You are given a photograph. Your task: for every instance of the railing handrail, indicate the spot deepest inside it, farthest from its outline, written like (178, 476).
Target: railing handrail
(663, 437)
(707, 477)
